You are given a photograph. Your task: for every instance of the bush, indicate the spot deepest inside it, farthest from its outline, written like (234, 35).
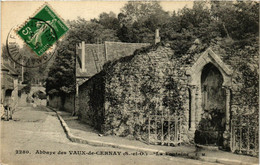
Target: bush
(211, 128)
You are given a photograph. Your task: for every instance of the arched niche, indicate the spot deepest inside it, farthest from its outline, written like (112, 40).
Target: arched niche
(212, 93)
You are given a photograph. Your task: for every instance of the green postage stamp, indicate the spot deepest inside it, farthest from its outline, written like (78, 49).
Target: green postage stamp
(42, 30)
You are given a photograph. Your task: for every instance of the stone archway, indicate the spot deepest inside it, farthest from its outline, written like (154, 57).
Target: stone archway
(195, 86)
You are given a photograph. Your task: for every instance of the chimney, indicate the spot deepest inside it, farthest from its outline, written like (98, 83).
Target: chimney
(157, 37)
(83, 56)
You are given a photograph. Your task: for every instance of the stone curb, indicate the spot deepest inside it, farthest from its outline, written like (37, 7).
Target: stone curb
(77, 139)
(225, 161)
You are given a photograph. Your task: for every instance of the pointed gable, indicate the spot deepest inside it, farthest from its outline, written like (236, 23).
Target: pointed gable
(209, 57)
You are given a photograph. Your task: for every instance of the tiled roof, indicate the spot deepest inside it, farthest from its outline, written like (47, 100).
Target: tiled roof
(94, 59)
(96, 55)
(116, 50)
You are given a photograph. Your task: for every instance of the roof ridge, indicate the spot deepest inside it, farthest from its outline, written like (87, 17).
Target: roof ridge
(94, 44)
(124, 42)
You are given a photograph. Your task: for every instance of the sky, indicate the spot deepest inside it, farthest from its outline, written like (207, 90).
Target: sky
(16, 13)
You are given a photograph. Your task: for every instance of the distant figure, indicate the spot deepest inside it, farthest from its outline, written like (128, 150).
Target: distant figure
(2, 111)
(8, 102)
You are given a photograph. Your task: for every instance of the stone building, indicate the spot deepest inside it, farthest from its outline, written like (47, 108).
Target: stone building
(160, 97)
(92, 57)
(90, 60)
(9, 82)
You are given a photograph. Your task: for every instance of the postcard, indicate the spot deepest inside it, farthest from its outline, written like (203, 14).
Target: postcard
(129, 82)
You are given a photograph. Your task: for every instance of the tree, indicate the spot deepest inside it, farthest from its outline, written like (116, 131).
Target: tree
(108, 21)
(61, 77)
(239, 20)
(89, 31)
(235, 23)
(135, 11)
(139, 20)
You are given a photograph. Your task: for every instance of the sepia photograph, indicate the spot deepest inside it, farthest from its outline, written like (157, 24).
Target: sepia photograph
(129, 82)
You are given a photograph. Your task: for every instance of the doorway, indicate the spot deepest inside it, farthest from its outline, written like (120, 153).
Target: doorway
(212, 124)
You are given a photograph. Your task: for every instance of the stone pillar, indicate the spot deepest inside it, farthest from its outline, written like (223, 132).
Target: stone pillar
(83, 54)
(226, 135)
(193, 107)
(77, 89)
(15, 91)
(186, 107)
(157, 37)
(198, 100)
(76, 100)
(228, 93)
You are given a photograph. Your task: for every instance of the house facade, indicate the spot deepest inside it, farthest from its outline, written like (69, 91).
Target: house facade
(9, 83)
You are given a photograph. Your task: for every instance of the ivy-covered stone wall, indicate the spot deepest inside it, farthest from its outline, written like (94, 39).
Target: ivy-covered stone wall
(154, 80)
(245, 78)
(91, 101)
(150, 82)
